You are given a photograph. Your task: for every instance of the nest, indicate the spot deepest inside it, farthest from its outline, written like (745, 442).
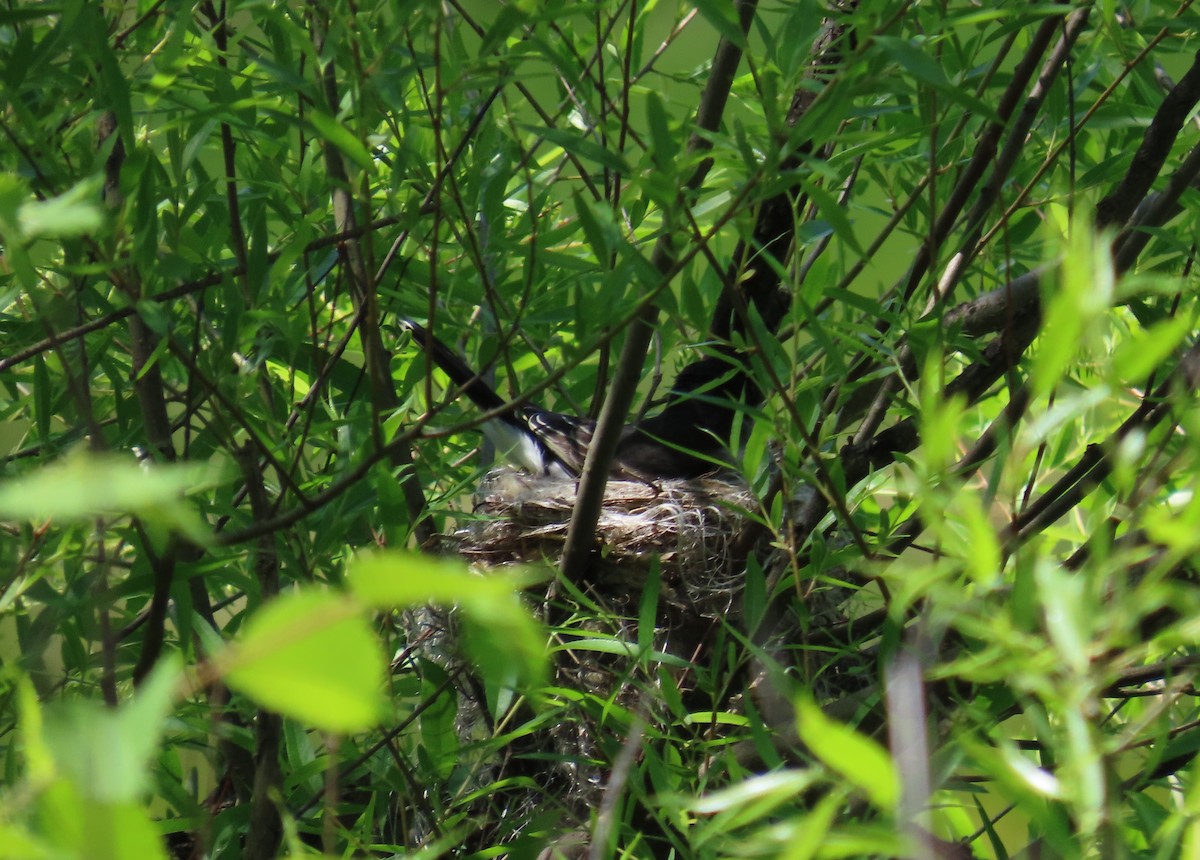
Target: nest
(694, 530)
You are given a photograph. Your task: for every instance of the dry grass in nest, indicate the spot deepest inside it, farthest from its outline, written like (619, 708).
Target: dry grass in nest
(694, 530)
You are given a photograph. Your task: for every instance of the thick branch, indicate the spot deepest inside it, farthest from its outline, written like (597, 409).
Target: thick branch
(752, 280)
(581, 534)
(1156, 145)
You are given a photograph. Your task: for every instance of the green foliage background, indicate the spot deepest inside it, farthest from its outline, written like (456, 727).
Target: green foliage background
(212, 215)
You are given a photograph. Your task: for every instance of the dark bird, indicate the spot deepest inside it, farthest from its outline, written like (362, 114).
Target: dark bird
(687, 439)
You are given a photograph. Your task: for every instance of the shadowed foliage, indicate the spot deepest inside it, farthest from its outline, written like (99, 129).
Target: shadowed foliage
(260, 596)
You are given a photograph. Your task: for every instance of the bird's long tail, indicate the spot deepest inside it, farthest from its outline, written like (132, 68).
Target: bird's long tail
(479, 392)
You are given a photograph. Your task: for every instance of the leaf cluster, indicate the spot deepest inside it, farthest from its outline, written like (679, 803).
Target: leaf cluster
(952, 245)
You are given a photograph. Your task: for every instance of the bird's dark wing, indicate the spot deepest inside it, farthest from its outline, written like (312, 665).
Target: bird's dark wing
(567, 436)
(690, 437)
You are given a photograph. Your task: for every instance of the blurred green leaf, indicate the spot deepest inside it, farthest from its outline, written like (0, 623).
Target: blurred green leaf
(341, 137)
(1145, 351)
(982, 547)
(941, 421)
(1067, 609)
(754, 798)
(91, 830)
(39, 758)
(856, 757)
(106, 752)
(1082, 292)
(82, 485)
(75, 212)
(87, 771)
(723, 16)
(311, 655)
(17, 843)
(499, 633)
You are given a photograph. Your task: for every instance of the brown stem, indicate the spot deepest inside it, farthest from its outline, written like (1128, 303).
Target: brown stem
(265, 829)
(594, 478)
(383, 391)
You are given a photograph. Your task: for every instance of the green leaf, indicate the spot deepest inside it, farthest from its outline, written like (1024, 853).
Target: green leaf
(723, 16)
(509, 17)
(859, 759)
(751, 800)
(1140, 355)
(664, 145)
(835, 213)
(648, 608)
(114, 88)
(437, 718)
(810, 836)
(1068, 612)
(598, 225)
(498, 631)
(106, 752)
(73, 213)
(89, 830)
(982, 552)
(584, 148)
(341, 137)
(924, 68)
(1081, 294)
(914, 61)
(39, 759)
(43, 395)
(82, 485)
(311, 655)
(14, 194)
(16, 16)
(17, 843)
(941, 420)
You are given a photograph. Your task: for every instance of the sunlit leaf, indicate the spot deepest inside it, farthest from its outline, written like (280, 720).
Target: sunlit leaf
(311, 655)
(83, 485)
(341, 137)
(763, 792)
(498, 630)
(856, 757)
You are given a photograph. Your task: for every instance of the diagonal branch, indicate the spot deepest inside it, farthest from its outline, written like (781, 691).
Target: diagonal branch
(594, 478)
(383, 392)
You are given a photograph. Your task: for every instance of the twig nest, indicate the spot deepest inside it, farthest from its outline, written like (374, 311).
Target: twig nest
(694, 530)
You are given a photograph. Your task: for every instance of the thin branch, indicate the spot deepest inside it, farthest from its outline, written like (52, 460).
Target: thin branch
(590, 496)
